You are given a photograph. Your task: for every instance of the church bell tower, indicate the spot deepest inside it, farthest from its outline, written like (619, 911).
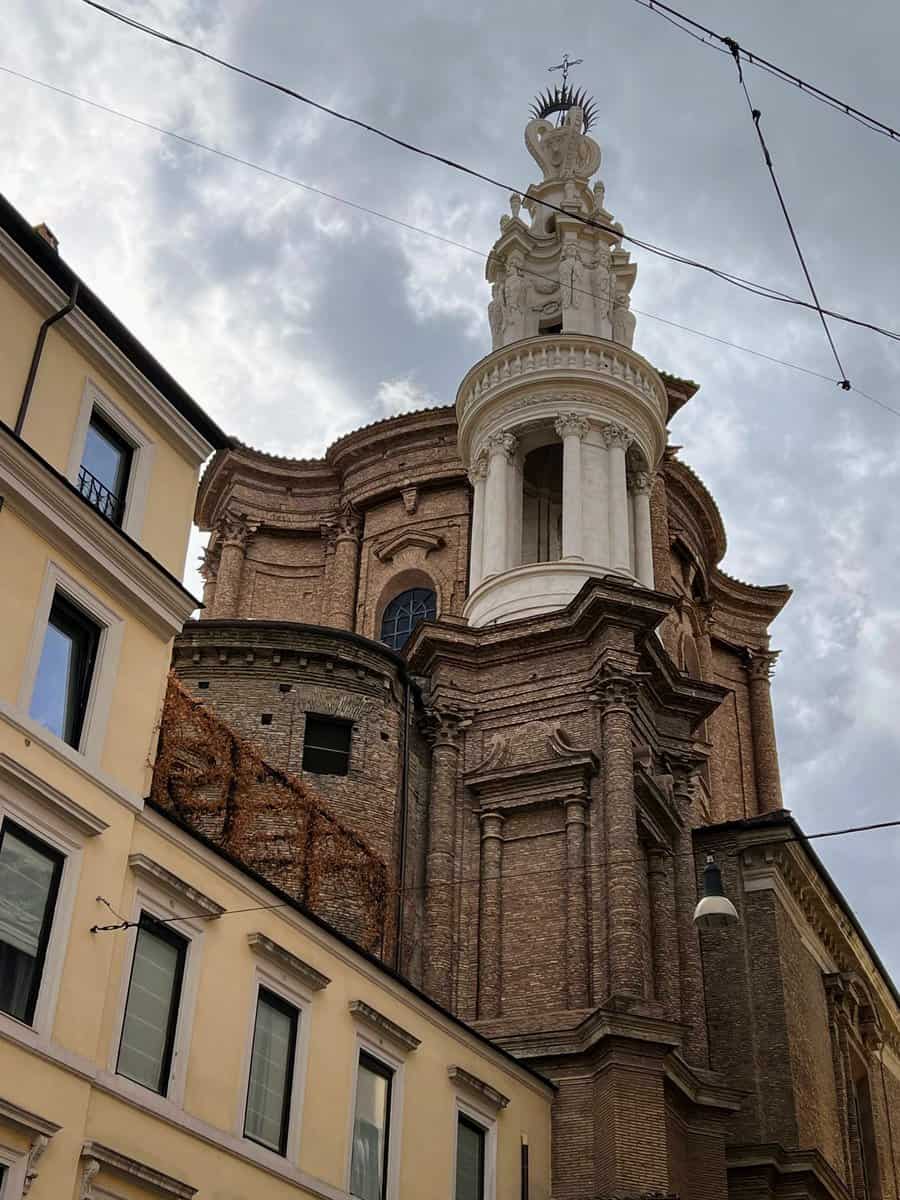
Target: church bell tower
(562, 425)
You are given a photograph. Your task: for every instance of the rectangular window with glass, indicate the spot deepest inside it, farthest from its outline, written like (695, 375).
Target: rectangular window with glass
(271, 1072)
(151, 1008)
(105, 468)
(65, 671)
(30, 872)
(470, 1139)
(371, 1129)
(326, 745)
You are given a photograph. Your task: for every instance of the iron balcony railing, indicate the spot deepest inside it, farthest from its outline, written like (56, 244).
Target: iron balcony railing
(99, 495)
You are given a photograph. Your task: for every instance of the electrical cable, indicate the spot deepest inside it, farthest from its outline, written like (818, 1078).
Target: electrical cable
(756, 117)
(672, 256)
(674, 17)
(234, 158)
(477, 879)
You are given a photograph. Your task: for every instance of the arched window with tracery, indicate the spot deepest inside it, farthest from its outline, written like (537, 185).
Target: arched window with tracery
(404, 613)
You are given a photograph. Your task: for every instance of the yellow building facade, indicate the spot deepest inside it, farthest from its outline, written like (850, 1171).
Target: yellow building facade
(217, 1040)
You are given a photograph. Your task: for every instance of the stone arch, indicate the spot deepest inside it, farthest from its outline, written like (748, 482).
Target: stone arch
(402, 581)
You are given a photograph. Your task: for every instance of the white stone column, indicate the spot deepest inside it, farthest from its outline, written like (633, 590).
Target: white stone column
(641, 486)
(595, 499)
(478, 479)
(618, 440)
(501, 448)
(572, 428)
(515, 482)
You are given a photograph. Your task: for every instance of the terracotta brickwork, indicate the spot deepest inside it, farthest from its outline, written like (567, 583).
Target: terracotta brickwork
(548, 808)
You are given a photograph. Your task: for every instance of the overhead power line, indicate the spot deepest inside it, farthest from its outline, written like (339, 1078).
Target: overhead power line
(477, 879)
(672, 256)
(756, 117)
(428, 233)
(703, 34)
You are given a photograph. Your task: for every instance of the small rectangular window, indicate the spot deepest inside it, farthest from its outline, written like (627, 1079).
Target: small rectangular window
(371, 1129)
(151, 1008)
(62, 686)
(29, 883)
(470, 1139)
(271, 1072)
(105, 468)
(326, 745)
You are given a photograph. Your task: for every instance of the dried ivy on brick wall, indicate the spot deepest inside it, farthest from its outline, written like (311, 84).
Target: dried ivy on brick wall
(266, 819)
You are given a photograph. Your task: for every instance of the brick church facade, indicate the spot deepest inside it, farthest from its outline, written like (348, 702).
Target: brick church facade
(496, 640)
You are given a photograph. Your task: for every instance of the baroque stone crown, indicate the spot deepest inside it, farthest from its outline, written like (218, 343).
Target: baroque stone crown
(560, 100)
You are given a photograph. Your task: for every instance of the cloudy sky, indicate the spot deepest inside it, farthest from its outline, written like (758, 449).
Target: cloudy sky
(293, 318)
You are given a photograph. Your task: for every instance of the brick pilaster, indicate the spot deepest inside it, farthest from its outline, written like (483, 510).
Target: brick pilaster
(490, 916)
(444, 730)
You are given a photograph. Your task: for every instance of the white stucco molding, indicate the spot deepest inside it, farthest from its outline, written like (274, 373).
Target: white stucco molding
(466, 1081)
(284, 960)
(398, 1038)
(37, 1129)
(46, 502)
(96, 1157)
(96, 345)
(35, 789)
(161, 877)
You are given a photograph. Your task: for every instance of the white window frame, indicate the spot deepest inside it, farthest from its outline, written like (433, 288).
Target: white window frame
(375, 1049)
(16, 1163)
(272, 980)
(111, 628)
(65, 834)
(143, 450)
(160, 903)
(486, 1119)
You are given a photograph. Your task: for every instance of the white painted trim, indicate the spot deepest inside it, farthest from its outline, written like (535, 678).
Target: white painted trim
(56, 830)
(16, 1163)
(486, 1118)
(159, 902)
(329, 944)
(32, 731)
(14, 775)
(87, 337)
(143, 453)
(74, 528)
(283, 985)
(112, 628)
(367, 1043)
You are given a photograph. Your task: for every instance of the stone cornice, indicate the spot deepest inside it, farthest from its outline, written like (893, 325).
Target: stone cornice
(424, 540)
(383, 1027)
(471, 1083)
(49, 504)
(804, 1169)
(284, 960)
(39, 791)
(529, 784)
(95, 1156)
(161, 877)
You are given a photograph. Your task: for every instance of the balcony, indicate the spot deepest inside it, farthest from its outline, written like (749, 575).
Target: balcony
(100, 497)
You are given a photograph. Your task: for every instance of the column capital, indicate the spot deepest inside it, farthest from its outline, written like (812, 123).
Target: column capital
(349, 520)
(576, 810)
(444, 727)
(329, 532)
(640, 483)
(617, 435)
(504, 444)
(760, 664)
(571, 425)
(209, 563)
(479, 468)
(491, 824)
(615, 691)
(234, 529)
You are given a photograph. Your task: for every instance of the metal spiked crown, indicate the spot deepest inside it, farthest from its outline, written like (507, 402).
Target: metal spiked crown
(560, 99)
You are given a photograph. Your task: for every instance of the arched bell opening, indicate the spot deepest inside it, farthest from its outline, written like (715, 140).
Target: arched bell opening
(542, 503)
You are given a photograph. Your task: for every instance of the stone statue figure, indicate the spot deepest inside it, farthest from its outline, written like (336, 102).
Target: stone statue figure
(496, 315)
(515, 294)
(571, 278)
(623, 319)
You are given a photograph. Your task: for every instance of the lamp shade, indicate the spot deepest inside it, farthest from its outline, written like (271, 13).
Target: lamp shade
(714, 909)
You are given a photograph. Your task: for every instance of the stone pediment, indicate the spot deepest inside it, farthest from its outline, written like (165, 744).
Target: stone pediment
(532, 764)
(410, 539)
